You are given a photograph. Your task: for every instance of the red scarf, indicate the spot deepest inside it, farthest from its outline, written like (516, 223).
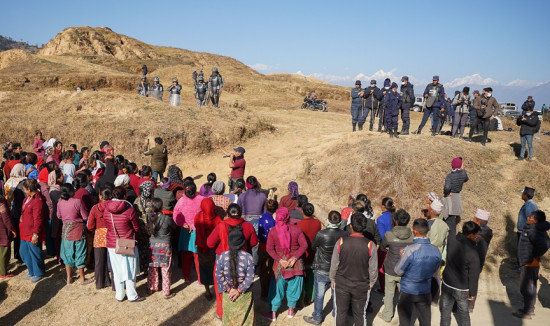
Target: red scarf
(224, 231)
(205, 222)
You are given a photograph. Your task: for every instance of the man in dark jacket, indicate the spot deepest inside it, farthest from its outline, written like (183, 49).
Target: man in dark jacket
(485, 235)
(159, 158)
(356, 105)
(371, 230)
(392, 104)
(323, 245)
(529, 104)
(382, 111)
(353, 272)
(370, 94)
(407, 100)
(416, 267)
(533, 243)
(394, 241)
(461, 275)
(435, 98)
(530, 123)
(486, 108)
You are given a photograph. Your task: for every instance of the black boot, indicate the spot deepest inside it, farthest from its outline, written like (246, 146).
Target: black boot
(396, 134)
(391, 133)
(353, 124)
(405, 132)
(379, 128)
(370, 127)
(360, 126)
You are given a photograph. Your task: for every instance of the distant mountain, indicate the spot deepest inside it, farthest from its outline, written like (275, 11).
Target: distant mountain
(7, 43)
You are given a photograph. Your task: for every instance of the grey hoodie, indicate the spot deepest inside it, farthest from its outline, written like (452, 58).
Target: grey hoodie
(398, 238)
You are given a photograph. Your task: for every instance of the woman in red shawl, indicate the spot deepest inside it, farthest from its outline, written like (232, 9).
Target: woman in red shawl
(205, 222)
(286, 244)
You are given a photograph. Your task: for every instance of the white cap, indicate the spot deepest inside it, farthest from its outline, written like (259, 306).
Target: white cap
(482, 215)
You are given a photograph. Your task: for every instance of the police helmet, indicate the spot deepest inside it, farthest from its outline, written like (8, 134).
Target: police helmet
(156, 79)
(214, 69)
(175, 80)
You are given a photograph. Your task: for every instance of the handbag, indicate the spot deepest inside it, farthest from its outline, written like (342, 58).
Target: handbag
(123, 246)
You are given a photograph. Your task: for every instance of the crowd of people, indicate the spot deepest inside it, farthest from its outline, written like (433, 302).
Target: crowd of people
(476, 111)
(99, 211)
(204, 92)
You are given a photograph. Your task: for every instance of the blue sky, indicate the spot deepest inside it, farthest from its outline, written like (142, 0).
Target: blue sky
(498, 42)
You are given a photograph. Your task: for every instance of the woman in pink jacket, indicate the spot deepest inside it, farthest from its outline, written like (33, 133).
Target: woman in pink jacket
(187, 207)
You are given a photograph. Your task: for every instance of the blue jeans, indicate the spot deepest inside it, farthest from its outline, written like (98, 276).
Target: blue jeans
(322, 284)
(32, 257)
(157, 174)
(529, 140)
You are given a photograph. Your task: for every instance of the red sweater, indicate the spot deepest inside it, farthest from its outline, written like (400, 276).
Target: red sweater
(33, 216)
(125, 220)
(214, 240)
(310, 227)
(95, 219)
(86, 198)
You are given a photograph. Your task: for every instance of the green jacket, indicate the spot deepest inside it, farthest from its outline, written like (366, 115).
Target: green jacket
(159, 157)
(439, 230)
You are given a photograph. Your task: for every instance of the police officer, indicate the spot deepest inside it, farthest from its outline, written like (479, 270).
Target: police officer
(529, 104)
(356, 105)
(407, 101)
(201, 90)
(392, 104)
(370, 103)
(143, 87)
(156, 89)
(434, 95)
(382, 109)
(215, 86)
(174, 90)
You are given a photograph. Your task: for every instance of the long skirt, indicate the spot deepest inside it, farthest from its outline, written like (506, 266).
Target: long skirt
(239, 312)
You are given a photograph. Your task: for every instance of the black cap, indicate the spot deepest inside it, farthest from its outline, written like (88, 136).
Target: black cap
(466, 89)
(373, 81)
(236, 239)
(357, 82)
(529, 97)
(405, 78)
(239, 149)
(529, 192)
(436, 77)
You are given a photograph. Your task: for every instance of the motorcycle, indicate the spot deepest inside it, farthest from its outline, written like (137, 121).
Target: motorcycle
(317, 105)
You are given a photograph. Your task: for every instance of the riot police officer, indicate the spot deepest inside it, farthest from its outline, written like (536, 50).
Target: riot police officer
(392, 104)
(215, 86)
(356, 105)
(174, 90)
(434, 95)
(370, 103)
(407, 101)
(382, 109)
(201, 90)
(143, 87)
(156, 89)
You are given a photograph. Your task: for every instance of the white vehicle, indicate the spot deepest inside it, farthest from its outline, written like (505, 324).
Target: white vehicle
(418, 103)
(507, 109)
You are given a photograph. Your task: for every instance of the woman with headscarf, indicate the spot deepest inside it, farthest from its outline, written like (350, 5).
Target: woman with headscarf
(222, 202)
(143, 208)
(185, 211)
(286, 244)
(454, 181)
(289, 201)
(176, 179)
(123, 180)
(218, 240)
(205, 222)
(15, 195)
(235, 275)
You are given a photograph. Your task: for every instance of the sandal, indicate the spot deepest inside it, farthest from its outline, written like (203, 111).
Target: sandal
(87, 281)
(170, 296)
(138, 299)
